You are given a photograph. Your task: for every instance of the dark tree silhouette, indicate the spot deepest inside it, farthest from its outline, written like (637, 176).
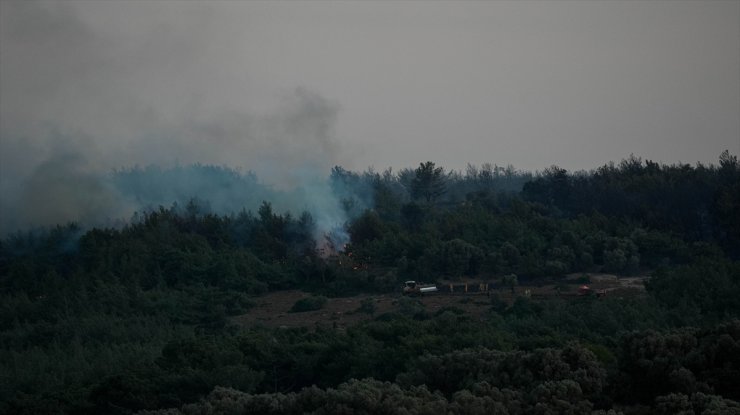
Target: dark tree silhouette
(428, 182)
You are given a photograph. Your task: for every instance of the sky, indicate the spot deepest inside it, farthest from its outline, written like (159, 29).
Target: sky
(286, 88)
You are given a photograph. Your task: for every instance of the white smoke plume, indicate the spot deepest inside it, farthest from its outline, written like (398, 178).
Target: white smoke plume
(78, 102)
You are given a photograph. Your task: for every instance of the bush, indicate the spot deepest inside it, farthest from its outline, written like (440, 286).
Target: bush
(497, 304)
(583, 279)
(316, 302)
(411, 308)
(367, 306)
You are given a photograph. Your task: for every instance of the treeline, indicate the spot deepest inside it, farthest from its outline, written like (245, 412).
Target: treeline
(698, 202)
(616, 219)
(117, 320)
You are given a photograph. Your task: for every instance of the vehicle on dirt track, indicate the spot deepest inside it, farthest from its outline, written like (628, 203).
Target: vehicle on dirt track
(414, 288)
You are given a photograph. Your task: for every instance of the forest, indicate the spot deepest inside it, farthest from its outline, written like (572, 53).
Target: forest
(140, 317)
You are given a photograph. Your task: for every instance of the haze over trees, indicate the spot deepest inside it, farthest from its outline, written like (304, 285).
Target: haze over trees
(139, 317)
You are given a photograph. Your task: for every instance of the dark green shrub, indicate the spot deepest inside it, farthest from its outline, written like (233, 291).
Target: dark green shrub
(367, 306)
(315, 302)
(583, 279)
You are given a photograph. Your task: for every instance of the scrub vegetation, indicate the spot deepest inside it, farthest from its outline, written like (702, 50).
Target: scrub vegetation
(143, 316)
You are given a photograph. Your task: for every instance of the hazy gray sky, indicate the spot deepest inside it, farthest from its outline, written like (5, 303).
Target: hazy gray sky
(275, 85)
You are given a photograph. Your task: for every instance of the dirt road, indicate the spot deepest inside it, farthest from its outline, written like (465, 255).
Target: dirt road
(273, 308)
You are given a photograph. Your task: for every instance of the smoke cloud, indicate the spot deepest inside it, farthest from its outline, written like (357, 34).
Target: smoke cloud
(82, 108)
(88, 87)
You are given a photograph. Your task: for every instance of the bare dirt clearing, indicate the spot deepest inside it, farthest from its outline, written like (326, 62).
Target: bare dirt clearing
(273, 309)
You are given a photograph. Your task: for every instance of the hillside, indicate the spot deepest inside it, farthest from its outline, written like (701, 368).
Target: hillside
(189, 309)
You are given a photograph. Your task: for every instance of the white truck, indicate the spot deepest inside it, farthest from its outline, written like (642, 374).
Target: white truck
(414, 288)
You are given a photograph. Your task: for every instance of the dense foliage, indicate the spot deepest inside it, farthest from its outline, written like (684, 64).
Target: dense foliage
(120, 320)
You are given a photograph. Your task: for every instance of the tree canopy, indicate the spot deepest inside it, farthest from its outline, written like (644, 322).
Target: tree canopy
(144, 316)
